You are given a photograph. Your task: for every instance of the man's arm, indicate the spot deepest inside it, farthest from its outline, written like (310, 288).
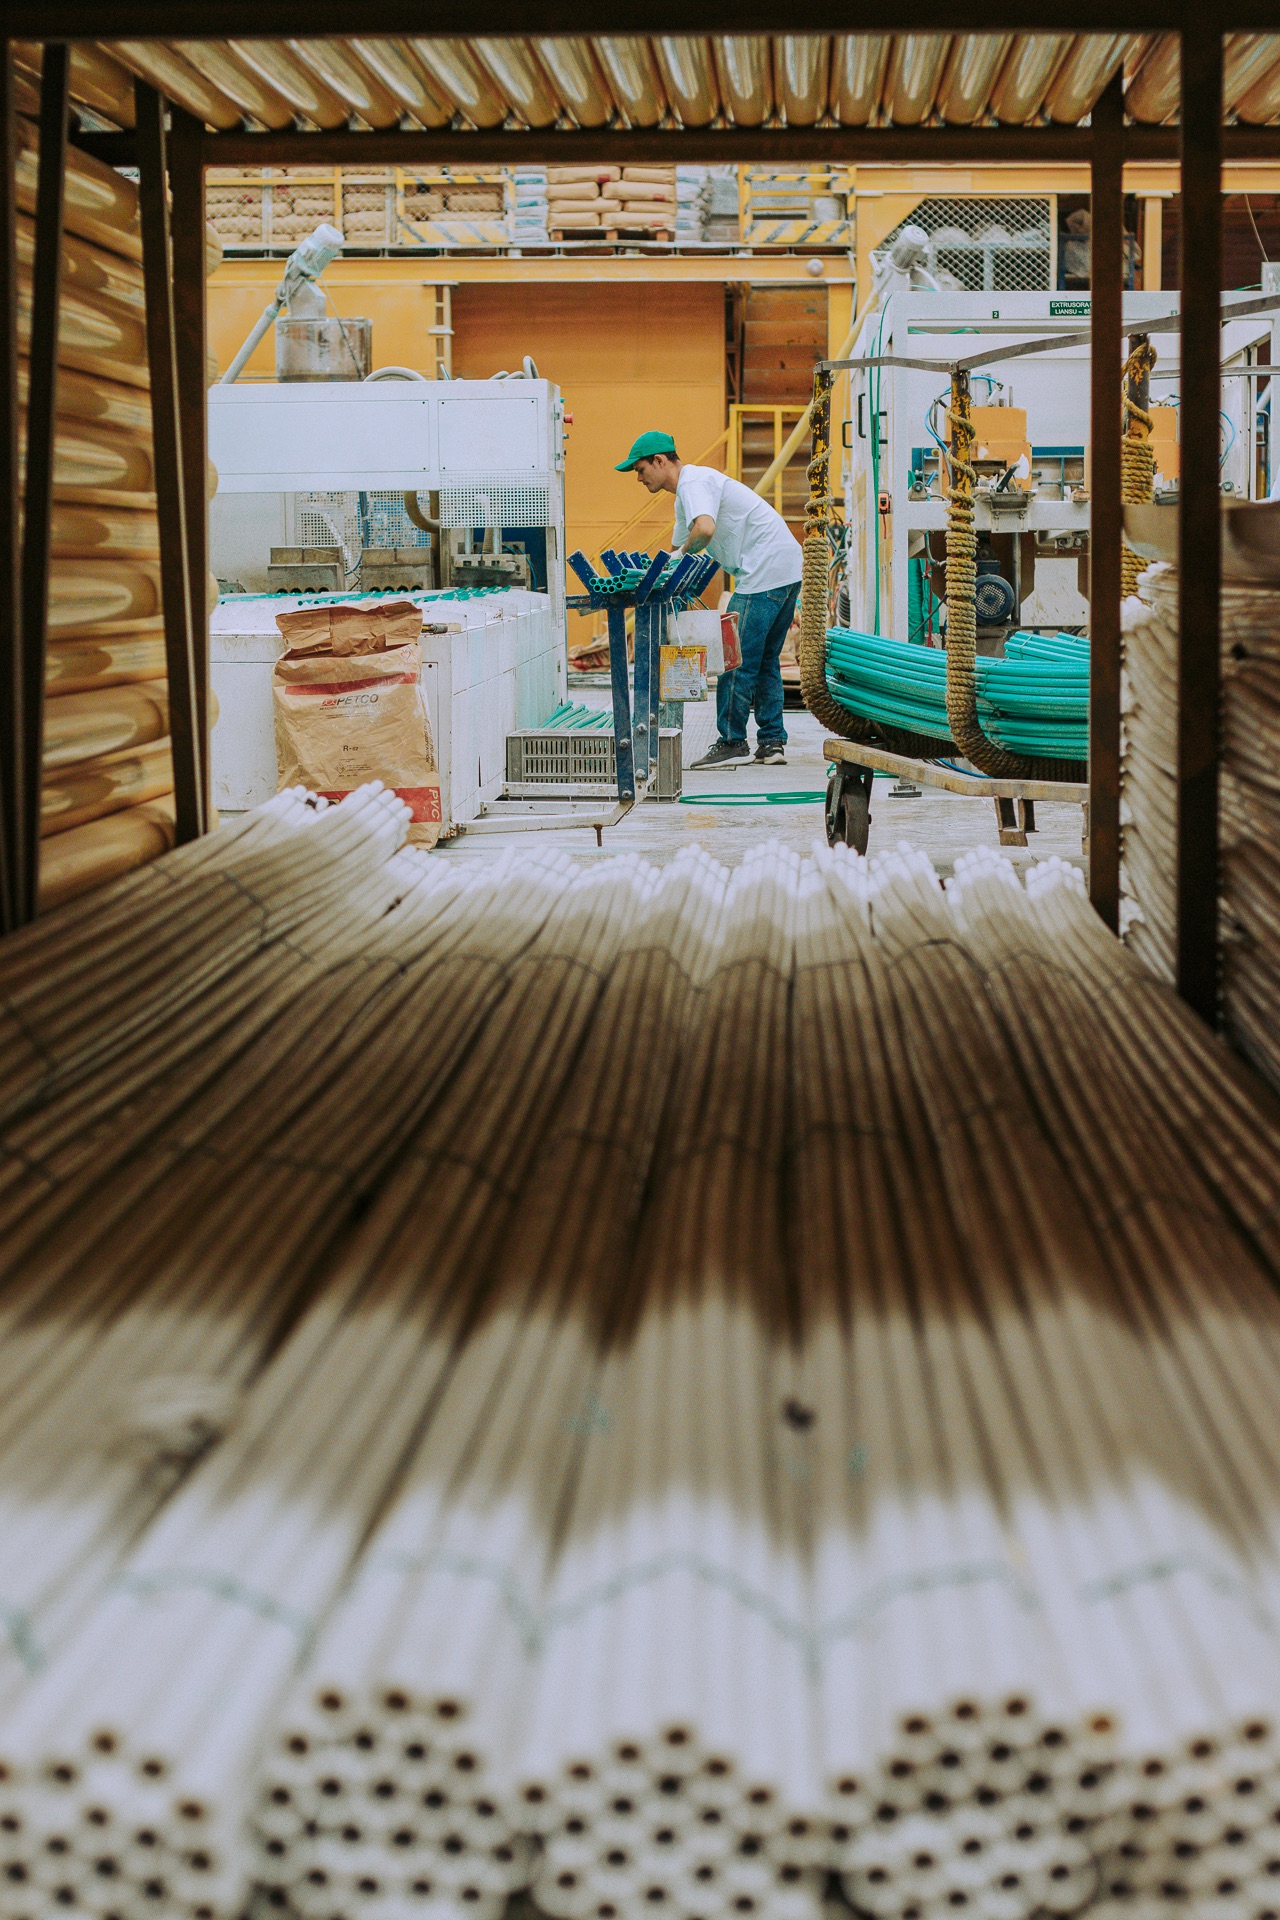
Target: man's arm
(701, 534)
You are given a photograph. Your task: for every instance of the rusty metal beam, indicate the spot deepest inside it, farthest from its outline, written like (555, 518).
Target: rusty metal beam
(1199, 526)
(42, 397)
(270, 19)
(1106, 186)
(175, 569)
(186, 183)
(880, 146)
(11, 678)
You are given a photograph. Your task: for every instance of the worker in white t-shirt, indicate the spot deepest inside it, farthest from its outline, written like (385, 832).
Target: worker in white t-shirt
(720, 516)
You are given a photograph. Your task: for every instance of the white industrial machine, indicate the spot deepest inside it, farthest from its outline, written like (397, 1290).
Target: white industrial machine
(327, 465)
(332, 479)
(1031, 418)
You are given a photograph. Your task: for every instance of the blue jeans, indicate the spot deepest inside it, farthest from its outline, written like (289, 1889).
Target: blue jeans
(764, 620)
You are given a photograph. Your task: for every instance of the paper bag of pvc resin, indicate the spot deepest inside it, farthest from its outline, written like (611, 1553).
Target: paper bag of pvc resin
(345, 718)
(366, 627)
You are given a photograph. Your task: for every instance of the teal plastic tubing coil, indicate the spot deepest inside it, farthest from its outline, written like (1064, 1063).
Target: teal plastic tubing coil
(1034, 701)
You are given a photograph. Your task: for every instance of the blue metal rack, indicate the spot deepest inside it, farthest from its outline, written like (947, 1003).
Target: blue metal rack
(654, 587)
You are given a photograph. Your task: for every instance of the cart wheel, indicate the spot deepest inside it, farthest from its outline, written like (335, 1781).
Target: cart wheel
(848, 808)
(854, 819)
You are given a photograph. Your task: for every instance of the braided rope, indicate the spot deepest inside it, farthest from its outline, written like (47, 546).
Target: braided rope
(962, 575)
(815, 564)
(1137, 456)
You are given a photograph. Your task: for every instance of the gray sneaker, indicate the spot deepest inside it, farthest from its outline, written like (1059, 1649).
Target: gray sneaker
(771, 754)
(725, 753)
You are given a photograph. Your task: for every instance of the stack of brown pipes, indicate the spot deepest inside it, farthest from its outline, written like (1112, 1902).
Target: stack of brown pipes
(1249, 799)
(107, 770)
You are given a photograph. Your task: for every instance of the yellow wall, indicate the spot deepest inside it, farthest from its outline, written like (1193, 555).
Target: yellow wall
(625, 358)
(402, 309)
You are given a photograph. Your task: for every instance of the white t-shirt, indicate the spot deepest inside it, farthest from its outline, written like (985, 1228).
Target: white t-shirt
(751, 541)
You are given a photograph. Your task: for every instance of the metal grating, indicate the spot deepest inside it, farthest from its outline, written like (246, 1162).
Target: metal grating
(386, 524)
(988, 246)
(496, 502)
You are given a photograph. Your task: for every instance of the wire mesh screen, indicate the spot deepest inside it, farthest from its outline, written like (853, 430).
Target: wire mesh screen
(496, 503)
(328, 519)
(388, 525)
(1000, 246)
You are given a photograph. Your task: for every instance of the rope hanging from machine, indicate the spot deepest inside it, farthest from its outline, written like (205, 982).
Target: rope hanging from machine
(962, 572)
(1137, 456)
(814, 585)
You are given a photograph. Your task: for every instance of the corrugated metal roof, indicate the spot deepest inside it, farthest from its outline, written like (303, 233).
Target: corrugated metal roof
(606, 82)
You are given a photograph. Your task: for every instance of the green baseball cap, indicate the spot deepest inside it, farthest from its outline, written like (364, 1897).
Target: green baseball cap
(644, 449)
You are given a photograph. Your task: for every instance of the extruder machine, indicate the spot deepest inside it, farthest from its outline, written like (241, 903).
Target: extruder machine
(1031, 453)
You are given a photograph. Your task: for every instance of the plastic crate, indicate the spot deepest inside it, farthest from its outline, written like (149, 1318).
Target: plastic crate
(564, 757)
(560, 757)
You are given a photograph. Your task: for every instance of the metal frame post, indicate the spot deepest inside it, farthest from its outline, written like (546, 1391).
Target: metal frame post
(1106, 515)
(643, 674)
(176, 586)
(187, 190)
(1199, 521)
(42, 399)
(658, 633)
(11, 676)
(625, 758)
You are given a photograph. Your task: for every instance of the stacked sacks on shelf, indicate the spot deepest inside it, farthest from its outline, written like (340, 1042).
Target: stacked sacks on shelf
(527, 205)
(642, 201)
(573, 197)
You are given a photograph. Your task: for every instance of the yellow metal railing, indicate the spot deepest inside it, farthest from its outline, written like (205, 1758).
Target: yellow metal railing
(783, 420)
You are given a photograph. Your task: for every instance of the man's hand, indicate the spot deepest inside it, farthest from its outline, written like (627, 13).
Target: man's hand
(701, 534)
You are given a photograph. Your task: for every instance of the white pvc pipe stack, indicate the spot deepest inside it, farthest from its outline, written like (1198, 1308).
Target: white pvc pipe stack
(670, 1718)
(435, 1629)
(726, 1378)
(1148, 770)
(250, 1554)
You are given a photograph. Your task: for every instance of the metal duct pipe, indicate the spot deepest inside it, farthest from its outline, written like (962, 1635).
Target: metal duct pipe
(454, 69)
(517, 74)
(570, 67)
(333, 62)
(163, 68)
(1024, 79)
(744, 66)
(1090, 64)
(404, 79)
(1152, 94)
(802, 73)
(221, 64)
(306, 93)
(1247, 60)
(858, 61)
(689, 75)
(1262, 103)
(915, 68)
(628, 65)
(972, 65)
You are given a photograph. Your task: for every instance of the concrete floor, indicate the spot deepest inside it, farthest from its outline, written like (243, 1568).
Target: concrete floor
(943, 824)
